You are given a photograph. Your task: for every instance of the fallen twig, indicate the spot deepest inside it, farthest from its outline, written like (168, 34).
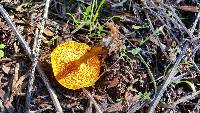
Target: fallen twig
(119, 4)
(168, 79)
(192, 58)
(180, 22)
(20, 39)
(35, 54)
(2, 108)
(28, 51)
(31, 76)
(195, 22)
(150, 73)
(195, 65)
(138, 105)
(185, 98)
(92, 100)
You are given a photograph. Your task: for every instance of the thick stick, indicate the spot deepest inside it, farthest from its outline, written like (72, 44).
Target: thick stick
(35, 54)
(28, 51)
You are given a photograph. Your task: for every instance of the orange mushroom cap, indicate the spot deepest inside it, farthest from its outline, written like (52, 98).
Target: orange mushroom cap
(74, 65)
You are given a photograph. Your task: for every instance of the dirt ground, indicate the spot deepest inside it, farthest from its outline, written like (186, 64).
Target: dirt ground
(149, 63)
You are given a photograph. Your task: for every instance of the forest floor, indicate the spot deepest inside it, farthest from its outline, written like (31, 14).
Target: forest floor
(151, 63)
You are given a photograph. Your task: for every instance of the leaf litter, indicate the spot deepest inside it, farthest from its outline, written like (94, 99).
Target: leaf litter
(123, 86)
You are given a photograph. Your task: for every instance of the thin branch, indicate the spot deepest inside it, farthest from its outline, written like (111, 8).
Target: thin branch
(191, 58)
(195, 22)
(195, 65)
(93, 100)
(2, 108)
(180, 22)
(160, 16)
(186, 98)
(31, 73)
(179, 77)
(20, 39)
(150, 23)
(50, 89)
(168, 79)
(119, 4)
(149, 71)
(28, 51)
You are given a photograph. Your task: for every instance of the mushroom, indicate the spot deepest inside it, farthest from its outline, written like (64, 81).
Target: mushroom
(76, 65)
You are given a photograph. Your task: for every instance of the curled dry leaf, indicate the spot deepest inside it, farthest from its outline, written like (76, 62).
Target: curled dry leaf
(113, 82)
(48, 32)
(2, 93)
(116, 107)
(6, 69)
(188, 8)
(173, 53)
(115, 34)
(17, 81)
(131, 99)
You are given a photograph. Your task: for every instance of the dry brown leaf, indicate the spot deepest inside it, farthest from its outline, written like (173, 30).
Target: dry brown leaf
(2, 93)
(113, 82)
(48, 32)
(173, 53)
(115, 107)
(188, 8)
(19, 83)
(6, 69)
(3, 60)
(9, 107)
(16, 75)
(99, 98)
(130, 99)
(115, 34)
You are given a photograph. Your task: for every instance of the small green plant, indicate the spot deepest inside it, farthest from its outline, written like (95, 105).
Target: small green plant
(123, 53)
(119, 99)
(99, 31)
(137, 27)
(145, 95)
(51, 41)
(155, 34)
(2, 46)
(190, 84)
(116, 17)
(89, 19)
(135, 51)
(187, 63)
(24, 6)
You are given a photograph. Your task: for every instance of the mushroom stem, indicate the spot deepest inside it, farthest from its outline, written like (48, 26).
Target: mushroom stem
(94, 51)
(67, 69)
